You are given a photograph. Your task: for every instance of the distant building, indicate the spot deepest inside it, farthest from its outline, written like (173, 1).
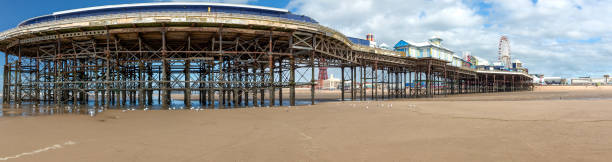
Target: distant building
(590, 81)
(431, 49)
(370, 37)
(538, 78)
(331, 83)
(457, 61)
(517, 64)
(541, 80)
(581, 81)
(598, 81)
(553, 80)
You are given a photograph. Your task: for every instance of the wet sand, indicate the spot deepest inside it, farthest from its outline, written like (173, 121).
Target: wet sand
(548, 124)
(300, 94)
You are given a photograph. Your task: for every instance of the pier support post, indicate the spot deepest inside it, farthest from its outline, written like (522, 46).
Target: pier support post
(292, 80)
(411, 83)
(262, 91)
(18, 70)
(374, 79)
(312, 77)
(255, 87)
(383, 82)
(280, 80)
(271, 83)
(187, 95)
(353, 74)
(428, 79)
(390, 83)
(360, 83)
(291, 72)
(141, 85)
(342, 82)
(165, 74)
(221, 87)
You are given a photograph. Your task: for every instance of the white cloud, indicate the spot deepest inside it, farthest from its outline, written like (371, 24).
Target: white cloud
(452, 17)
(560, 37)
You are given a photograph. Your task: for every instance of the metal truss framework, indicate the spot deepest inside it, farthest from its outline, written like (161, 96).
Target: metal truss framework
(220, 67)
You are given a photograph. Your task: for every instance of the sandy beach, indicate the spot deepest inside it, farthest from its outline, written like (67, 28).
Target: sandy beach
(547, 124)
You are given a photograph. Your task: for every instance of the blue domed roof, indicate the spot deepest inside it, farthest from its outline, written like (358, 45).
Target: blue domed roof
(170, 7)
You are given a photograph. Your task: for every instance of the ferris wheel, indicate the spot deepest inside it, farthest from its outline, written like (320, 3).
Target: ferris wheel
(504, 51)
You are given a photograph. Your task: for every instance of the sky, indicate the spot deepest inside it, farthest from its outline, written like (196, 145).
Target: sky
(566, 38)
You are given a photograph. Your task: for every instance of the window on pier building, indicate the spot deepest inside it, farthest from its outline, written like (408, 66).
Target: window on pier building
(436, 53)
(411, 52)
(421, 53)
(433, 52)
(447, 56)
(403, 51)
(444, 56)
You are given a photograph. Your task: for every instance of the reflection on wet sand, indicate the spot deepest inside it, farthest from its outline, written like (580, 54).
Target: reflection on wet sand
(539, 93)
(33, 110)
(11, 110)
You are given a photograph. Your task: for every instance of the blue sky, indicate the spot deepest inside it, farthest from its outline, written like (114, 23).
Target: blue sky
(567, 38)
